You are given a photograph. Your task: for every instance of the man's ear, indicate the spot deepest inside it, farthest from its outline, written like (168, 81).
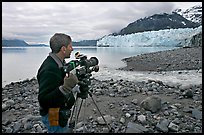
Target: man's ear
(63, 48)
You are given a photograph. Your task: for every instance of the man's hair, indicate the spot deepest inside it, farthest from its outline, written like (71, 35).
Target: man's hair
(59, 40)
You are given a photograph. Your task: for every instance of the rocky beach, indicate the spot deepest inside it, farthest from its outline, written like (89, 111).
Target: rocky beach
(155, 93)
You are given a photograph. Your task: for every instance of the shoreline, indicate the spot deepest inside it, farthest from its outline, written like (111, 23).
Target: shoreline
(168, 60)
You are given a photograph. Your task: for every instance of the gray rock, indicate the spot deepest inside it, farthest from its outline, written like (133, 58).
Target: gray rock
(4, 107)
(163, 125)
(173, 127)
(17, 126)
(134, 101)
(152, 103)
(28, 125)
(8, 130)
(9, 102)
(135, 128)
(122, 120)
(188, 94)
(108, 119)
(141, 118)
(196, 114)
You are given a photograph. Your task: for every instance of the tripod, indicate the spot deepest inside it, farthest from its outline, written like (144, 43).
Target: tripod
(84, 93)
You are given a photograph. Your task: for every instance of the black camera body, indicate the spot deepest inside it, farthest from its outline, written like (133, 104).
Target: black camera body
(83, 68)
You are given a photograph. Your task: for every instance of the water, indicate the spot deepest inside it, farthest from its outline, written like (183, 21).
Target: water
(22, 63)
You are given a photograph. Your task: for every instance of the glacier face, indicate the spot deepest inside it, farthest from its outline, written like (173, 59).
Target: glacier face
(168, 37)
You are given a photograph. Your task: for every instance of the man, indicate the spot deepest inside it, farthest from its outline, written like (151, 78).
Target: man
(55, 87)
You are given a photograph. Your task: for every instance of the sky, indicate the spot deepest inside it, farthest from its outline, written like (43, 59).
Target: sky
(37, 22)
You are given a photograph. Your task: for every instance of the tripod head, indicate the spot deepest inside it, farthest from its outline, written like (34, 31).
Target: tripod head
(84, 88)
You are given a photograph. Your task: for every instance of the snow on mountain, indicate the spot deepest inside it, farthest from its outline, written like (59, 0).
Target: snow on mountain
(168, 37)
(193, 14)
(158, 22)
(180, 36)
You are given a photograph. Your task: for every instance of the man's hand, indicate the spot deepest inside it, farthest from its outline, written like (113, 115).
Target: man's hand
(70, 82)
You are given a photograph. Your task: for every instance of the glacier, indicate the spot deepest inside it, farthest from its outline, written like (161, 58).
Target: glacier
(167, 37)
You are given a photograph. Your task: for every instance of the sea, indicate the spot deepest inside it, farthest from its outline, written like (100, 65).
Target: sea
(21, 63)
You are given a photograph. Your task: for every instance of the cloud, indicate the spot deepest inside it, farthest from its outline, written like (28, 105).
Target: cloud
(38, 21)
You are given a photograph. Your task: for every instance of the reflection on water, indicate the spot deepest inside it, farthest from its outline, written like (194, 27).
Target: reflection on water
(13, 50)
(22, 63)
(86, 49)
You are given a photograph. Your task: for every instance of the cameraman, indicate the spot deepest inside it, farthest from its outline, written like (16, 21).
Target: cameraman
(55, 87)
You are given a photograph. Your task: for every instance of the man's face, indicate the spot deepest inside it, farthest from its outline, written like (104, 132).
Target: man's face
(68, 50)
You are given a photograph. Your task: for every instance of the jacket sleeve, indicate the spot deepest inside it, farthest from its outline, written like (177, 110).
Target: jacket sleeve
(49, 93)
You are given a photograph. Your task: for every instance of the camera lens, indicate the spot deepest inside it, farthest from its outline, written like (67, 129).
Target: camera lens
(92, 61)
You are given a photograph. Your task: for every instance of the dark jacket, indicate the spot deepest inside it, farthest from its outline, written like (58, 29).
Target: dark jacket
(50, 77)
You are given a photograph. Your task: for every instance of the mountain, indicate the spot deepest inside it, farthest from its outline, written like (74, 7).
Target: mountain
(193, 14)
(85, 43)
(158, 22)
(18, 43)
(22, 43)
(181, 28)
(13, 43)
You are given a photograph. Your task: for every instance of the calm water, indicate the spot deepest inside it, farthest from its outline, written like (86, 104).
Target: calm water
(22, 63)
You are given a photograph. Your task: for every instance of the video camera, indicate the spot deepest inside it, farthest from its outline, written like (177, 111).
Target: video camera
(86, 66)
(82, 68)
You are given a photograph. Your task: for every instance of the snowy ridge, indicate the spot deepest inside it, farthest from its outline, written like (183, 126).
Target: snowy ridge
(167, 37)
(193, 14)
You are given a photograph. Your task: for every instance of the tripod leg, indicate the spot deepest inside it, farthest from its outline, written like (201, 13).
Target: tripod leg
(100, 112)
(71, 123)
(76, 116)
(73, 110)
(84, 116)
(79, 109)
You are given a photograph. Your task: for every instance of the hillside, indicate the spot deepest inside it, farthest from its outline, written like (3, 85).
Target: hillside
(85, 43)
(13, 43)
(179, 18)
(22, 43)
(18, 43)
(158, 22)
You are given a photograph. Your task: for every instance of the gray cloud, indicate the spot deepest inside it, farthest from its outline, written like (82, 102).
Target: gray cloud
(36, 22)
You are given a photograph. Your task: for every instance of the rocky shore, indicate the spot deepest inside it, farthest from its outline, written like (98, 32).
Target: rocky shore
(170, 60)
(129, 106)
